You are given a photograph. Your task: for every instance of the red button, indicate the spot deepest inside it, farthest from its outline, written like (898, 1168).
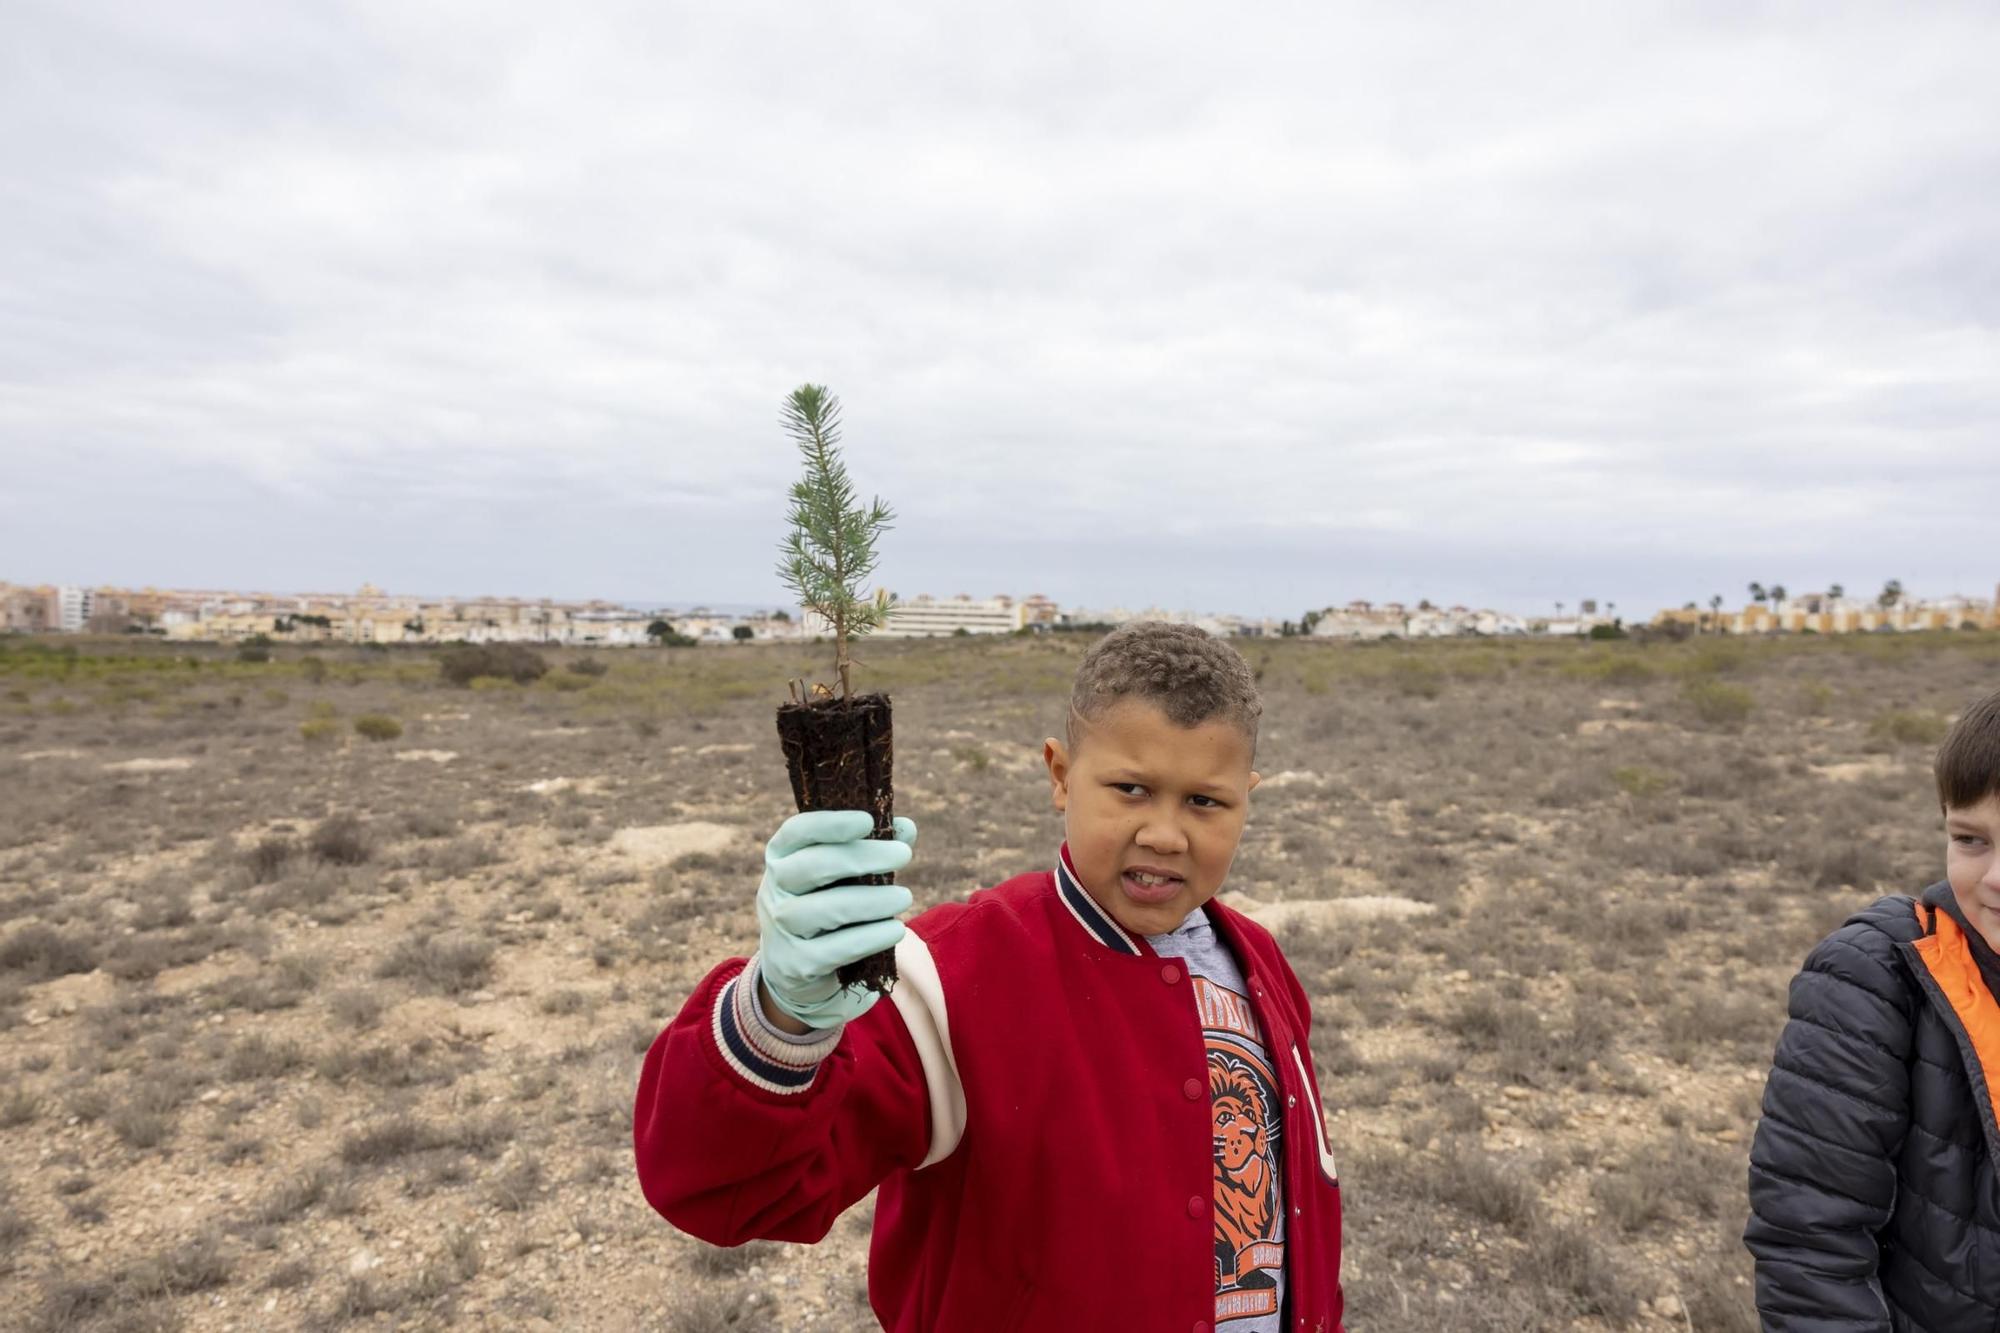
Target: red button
(1201, 1326)
(1170, 974)
(1192, 1088)
(1197, 1206)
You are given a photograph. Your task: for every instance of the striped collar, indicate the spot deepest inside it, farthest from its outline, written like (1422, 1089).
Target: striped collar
(1088, 914)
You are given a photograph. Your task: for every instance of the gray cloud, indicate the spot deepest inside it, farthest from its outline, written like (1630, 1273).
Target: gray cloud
(1130, 305)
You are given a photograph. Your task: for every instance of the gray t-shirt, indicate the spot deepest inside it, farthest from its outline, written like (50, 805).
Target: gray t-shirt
(1248, 1140)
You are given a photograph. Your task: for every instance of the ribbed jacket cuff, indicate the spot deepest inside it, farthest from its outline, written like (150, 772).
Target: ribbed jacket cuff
(764, 1056)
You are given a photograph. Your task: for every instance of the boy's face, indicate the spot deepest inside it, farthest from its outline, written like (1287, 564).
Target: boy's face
(1153, 810)
(1973, 866)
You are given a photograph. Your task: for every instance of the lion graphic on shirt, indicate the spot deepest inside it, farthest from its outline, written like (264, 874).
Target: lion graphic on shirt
(1245, 1193)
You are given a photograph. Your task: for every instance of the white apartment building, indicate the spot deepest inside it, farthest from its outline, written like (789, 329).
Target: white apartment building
(73, 608)
(924, 615)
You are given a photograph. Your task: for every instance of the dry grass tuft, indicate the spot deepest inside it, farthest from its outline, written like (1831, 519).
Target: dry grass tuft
(450, 962)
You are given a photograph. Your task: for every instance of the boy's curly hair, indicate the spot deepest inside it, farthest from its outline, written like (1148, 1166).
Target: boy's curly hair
(1181, 670)
(1968, 763)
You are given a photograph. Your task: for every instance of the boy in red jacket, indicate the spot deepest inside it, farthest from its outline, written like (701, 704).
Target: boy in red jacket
(1090, 1103)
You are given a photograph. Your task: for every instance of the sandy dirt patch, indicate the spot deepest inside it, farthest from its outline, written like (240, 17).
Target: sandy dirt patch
(66, 995)
(427, 756)
(1597, 726)
(1331, 911)
(660, 844)
(1291, 777)
(150, 766)
(33, 755)
(1860, 770)
(581, 786)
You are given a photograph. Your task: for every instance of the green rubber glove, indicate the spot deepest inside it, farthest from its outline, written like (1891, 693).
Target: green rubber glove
(809, 930)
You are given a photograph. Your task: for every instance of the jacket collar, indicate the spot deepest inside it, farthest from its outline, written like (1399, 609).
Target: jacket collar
(1096, 922)
(1951, 975)
(1099, 925)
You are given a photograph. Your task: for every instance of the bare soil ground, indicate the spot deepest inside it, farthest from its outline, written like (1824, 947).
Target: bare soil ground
(304, 1029)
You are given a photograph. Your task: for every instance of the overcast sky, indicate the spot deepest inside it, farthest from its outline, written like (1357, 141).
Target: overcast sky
(1243, 308)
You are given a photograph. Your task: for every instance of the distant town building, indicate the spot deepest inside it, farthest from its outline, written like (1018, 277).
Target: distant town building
(924, 616)
(73, 608)
(1824, 613)
(27, 610)
(1393, 620)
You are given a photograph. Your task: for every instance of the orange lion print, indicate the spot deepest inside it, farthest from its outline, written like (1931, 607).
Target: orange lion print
(1245, 1194)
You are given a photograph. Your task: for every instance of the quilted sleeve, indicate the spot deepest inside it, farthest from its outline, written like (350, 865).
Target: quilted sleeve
(1823, 1163)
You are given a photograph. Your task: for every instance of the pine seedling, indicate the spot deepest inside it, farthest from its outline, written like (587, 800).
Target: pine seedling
(830, 550)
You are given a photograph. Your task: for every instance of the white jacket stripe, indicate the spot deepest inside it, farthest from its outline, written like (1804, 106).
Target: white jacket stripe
(1311, 1090)
(919, 998)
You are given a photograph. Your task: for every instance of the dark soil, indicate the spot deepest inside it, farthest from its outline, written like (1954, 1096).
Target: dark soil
(837, 752)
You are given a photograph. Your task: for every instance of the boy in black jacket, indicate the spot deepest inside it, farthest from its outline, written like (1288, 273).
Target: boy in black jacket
(1874, 1200)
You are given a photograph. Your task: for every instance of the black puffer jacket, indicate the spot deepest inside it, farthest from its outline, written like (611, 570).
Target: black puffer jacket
(1873, 1196)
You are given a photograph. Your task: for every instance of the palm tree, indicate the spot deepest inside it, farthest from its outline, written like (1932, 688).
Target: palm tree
(1715, 609)
(1777, 599)
(1835, 591)
(1892, 593)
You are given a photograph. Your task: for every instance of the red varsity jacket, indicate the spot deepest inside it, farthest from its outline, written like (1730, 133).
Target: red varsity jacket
(1033, 1102)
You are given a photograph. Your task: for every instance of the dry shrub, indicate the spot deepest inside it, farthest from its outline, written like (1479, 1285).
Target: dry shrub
(267, 858)
(279, 984)
(403, 1136)
(18, 1106)
(319, 730)
(1718, 704)
(432, 1285)
(148, 1114)
(117, 1300)
(465, 663)
(1568, 1259)
(293, 1198)
(1724, 1023)
(40, 952)
(1859, 863)
(1719, 1295)
(358, 1009)
(1909, 728)
(428, 824)
(258, 1057)
(14, 1230)
(340, 840)
(458, 857)
(1664, 1173)
(1419, 679)
(1640, 781)
(451, 963)
(516, 1186)
(377, 727)
(730, 1261)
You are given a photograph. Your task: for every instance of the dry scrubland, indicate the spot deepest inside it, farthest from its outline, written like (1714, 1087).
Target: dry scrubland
(304, 1028)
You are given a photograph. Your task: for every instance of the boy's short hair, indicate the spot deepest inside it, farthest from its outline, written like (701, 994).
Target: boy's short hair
(1968, 763)
(1190, 676)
